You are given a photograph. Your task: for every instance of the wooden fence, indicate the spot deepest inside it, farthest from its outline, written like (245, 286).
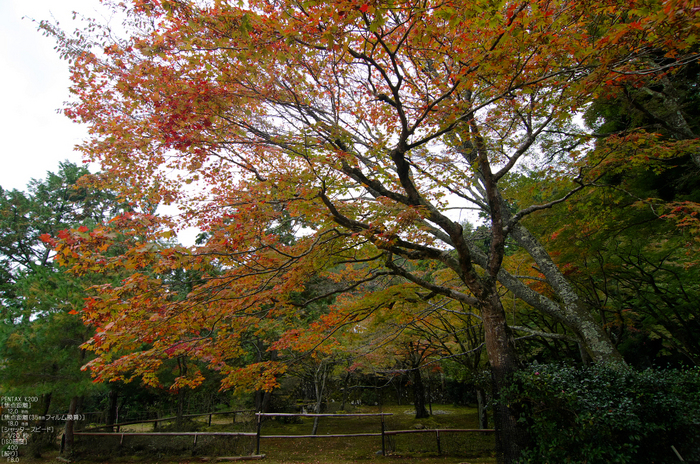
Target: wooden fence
(437, 433)
(383, 433)
(170, 418)
(260, 415)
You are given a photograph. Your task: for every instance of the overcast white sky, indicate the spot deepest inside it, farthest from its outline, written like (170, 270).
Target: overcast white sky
(34, 138)
(34, 81)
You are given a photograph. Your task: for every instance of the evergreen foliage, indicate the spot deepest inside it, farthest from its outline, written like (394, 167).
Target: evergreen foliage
(604, 414)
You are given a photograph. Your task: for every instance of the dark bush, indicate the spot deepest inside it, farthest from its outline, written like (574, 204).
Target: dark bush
(603, 414)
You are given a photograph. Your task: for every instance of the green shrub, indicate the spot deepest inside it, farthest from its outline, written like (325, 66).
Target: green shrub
(602, 414)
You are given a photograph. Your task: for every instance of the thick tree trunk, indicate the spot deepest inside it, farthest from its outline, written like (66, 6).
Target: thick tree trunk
(399, 391)
(510, 438)
(571, 311)
(419, 394)
(262, 400)
(414, 360)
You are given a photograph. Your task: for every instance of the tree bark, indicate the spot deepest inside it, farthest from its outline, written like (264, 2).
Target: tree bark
(112, 408)
(571, 311)
(39, 440)
(319, 390)
(181, 394)
(79, 410)
(481, 407)
(68, 437)
(419, 394)
(430, 397)
(510, 438)
(346, 383)
(262, 400)
(46, 404)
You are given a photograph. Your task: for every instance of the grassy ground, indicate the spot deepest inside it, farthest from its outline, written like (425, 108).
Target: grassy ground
(419, 448)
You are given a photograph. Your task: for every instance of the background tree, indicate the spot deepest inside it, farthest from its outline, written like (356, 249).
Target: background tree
(40, 332)
(633, 263)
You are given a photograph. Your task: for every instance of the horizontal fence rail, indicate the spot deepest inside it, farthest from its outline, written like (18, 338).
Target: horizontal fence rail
(335, 435)
(437, 433)
(398, 432)
(258, 434)
(195, 435)
(165, 434)
(291, 414)
(171, 418)
(260, 415)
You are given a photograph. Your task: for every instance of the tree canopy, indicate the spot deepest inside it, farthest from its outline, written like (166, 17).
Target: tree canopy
(40, 332)
(363, 128)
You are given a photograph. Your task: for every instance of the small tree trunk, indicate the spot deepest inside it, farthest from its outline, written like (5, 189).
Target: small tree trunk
(40, 440)
(79, 425)
(399, 392)
(68, 437)
(46, 404)
(258, 400)
(181, 394)
(481, 405)
(112, 408)
(430, 396)
(346, 392)
(319, 389)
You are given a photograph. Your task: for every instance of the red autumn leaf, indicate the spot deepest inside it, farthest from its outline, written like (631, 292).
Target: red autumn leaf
(393, 141)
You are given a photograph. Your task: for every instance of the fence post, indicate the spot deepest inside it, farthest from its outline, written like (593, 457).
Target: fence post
(383, 437)
(257, 435)
(210, 419)
(437, 437)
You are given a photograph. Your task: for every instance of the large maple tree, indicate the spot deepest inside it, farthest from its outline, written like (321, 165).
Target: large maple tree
(363, 127)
